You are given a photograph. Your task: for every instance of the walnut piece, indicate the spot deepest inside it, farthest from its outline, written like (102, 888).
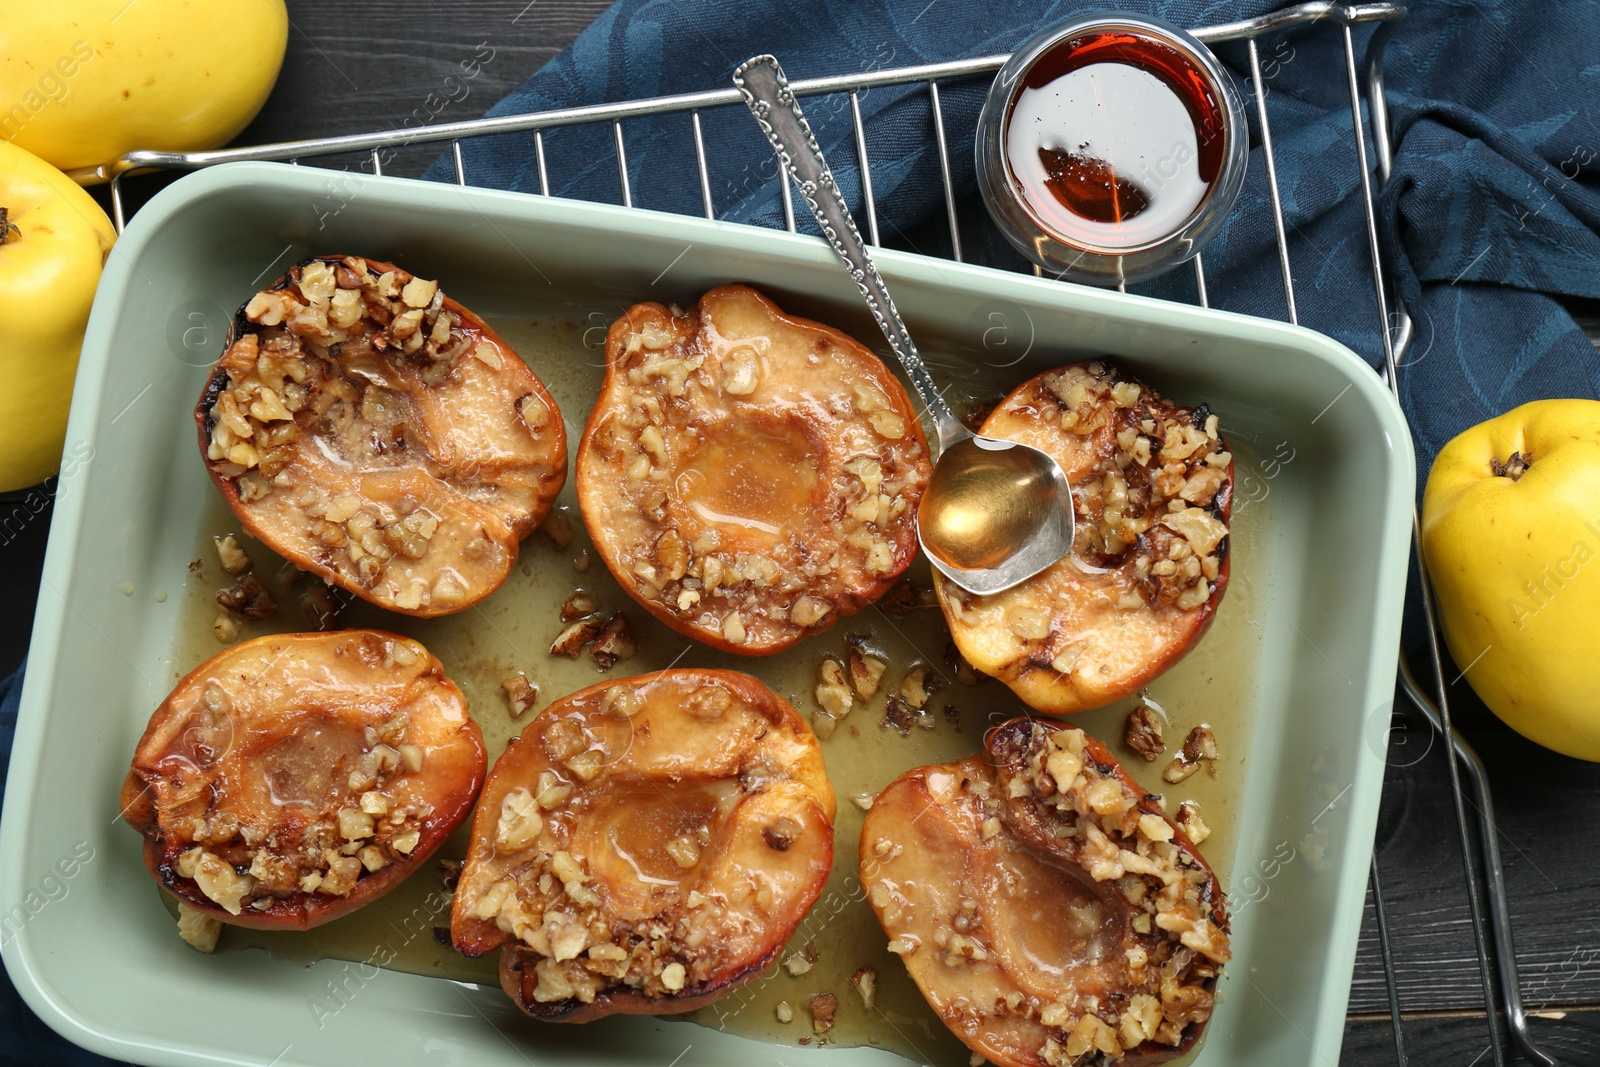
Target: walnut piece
(1143, 733)
(247, 598)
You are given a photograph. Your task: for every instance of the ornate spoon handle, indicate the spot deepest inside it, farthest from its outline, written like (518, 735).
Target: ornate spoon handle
(767, 93)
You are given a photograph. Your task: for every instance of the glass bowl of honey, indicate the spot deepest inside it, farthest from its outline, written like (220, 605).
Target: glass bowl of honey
(1111, 148)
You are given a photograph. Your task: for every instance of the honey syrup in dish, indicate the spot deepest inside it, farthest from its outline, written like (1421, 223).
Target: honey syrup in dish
(510, 631)
(1113, 139)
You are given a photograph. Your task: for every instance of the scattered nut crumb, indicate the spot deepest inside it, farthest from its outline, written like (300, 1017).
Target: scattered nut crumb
(521, 694)
(832, 692)
(615, 642)
(899, 714)
(916, 687)
(866, 982)
(577, 606)
(866, 672)
(234, 561)
(797, 965)
(1144, 733)
(226, 627)
(823, 725)
(197, 928)
(580, 561)
(785, 1013)
(247, 598)
(864, 801)
(823, 1005)
(194, 566)
(570, 641)
(1199, 747)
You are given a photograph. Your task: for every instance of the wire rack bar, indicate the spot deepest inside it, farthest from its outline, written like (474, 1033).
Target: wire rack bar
(538, 153)
(867, 199)
(700, 165)
(622, 164)
(1380, 916)
(944, 171)
(1272, 179)
(1277, 21)
(1492, 939)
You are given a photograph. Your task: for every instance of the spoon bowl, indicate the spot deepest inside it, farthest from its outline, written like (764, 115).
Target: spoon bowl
(995, 513)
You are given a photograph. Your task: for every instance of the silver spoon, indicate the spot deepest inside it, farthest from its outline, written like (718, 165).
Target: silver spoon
(995, 512)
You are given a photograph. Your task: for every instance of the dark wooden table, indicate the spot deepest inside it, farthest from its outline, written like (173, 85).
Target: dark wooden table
(348, 72)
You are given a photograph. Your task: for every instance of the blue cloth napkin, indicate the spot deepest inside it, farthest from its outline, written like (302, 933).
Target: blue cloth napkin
(1493, 201)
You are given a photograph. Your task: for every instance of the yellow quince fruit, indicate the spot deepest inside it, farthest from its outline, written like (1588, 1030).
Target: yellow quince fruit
(1511, 536)
(56, 239)
(88, 81)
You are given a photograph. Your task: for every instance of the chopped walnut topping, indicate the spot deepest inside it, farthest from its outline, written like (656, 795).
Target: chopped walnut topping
(784, 1012)
(316, 406)
(902, 716)
(226, 627)
(833, 693)
(521, 694)
(1191, 822)
(614, 642)
(247, 598)
(823, 1007)
(197, 928)
(916, 687)
(866, 982)
(234, 561)
(1199, 747)
(739, 511)
(1149, 560)
(1143, 733)
(577, 606)
(602, 894)
(225, 832)
(570, 641)
(1042, 797)
(866, 673)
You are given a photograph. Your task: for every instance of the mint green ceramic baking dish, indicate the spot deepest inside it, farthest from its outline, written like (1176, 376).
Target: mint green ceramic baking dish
(1298, 672)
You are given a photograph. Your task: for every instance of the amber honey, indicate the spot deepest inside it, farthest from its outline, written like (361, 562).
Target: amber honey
(1113, 139)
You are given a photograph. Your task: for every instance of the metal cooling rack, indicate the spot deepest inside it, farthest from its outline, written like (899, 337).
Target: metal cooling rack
(1484, 876)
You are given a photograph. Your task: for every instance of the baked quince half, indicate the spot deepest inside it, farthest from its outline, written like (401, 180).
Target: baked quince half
(291, 779)
(749, 477)
(1152, 486)
(646, 846)
(378, 434)
(1051, 913)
